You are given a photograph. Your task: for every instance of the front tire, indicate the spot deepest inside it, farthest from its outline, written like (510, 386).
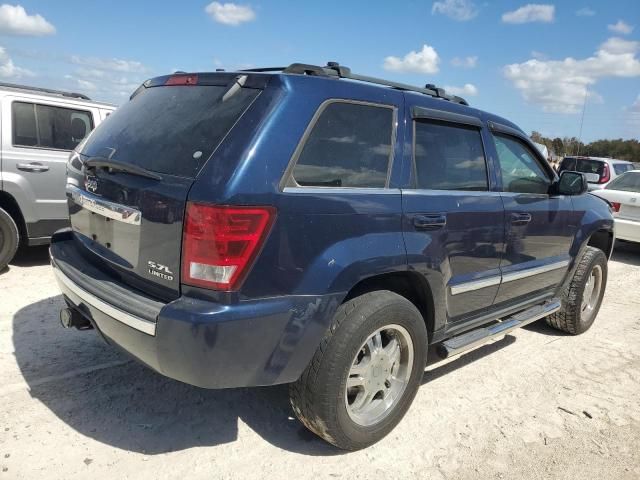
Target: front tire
(365, 373)
(582, 298)
(9, 238)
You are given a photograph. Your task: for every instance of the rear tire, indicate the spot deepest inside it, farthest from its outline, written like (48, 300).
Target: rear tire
(9, 239)
(380, 336)
(582, 298)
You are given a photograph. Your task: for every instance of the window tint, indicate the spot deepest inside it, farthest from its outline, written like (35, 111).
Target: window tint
(629, 182)
(589, 166)
(24, 124)
(349, 146)
(170, 129)
(520, 171)
(449, 157)
(45, 126)
(620, 168)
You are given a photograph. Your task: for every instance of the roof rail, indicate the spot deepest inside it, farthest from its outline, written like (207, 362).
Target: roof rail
(45, 90)
(334, 69)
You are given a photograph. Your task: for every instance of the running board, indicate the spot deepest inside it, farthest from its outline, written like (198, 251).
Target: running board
(475, 338)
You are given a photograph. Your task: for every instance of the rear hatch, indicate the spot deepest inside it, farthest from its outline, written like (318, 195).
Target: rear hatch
(128, 183)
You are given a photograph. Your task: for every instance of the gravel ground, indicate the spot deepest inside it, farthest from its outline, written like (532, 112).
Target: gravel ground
(535, 404)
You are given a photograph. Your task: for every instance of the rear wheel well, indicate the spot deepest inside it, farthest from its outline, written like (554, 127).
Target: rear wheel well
(602, 240)
(409, 285)
(9, 204)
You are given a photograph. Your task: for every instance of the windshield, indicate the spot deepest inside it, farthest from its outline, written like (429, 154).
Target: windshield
(627, 182)
(170, 129)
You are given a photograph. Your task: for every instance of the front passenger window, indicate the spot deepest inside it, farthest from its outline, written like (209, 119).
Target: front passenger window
(520, 170)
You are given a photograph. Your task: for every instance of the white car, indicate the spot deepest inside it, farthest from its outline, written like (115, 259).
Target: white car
(624, 195)
(598, 170)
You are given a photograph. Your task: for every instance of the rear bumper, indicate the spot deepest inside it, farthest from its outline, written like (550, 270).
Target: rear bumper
(210, 345)
(627, 230)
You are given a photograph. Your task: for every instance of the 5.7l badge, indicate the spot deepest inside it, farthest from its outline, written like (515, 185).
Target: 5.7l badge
(160, 271)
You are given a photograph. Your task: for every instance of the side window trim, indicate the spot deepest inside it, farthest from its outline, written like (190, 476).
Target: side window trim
(89, 112)
(287, 180)
(423, 113)
(451, 123)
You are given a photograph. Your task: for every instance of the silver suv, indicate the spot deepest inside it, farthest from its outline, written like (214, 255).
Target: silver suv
(598, 170)
(39, 127)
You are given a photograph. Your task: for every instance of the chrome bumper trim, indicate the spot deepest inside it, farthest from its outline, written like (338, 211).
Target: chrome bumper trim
(132, 321)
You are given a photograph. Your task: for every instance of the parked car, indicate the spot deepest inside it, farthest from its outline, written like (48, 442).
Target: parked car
(599, 171)
(624, 195)
(327, 228)
(39, 129)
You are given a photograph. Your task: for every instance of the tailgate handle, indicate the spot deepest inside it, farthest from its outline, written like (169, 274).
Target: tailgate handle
(429, 221)
(32, 167)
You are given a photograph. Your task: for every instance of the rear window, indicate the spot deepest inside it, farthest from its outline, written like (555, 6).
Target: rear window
(620, 168)
(172, 130)
(589, 166)
(629, 182)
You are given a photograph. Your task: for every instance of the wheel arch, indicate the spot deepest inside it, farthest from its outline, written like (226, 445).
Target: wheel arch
(10, 205)
(410, 285)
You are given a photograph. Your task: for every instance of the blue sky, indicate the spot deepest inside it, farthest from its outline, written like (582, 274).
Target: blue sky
(532, 63)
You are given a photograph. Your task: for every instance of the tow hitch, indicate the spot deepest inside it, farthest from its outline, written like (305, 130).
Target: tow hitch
(71, 317)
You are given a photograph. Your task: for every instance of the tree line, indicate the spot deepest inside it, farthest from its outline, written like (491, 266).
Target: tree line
(615, 148)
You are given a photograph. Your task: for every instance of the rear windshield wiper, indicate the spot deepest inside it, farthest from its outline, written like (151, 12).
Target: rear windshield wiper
(101, 162)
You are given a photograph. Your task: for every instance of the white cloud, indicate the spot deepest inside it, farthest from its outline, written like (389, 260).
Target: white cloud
(585, 12)
(635, 106)
(467, 90)
(621, 27)
(230, 13)
(539, 55)
(561, 85)
(466, 62)
(424, 61)
(14, 20)
(111, 64)
(532, 12)
(8, 70)
(460, 10)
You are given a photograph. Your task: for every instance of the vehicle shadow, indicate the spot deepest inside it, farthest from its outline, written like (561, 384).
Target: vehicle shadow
(104, 395)
(439, 367)
(31, 256)
(626, 252)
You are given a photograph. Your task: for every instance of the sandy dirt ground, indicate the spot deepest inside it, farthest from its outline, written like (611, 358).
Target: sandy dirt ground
(535, 404)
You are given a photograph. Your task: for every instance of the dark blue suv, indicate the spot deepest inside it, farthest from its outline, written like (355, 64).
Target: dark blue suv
(311, 226)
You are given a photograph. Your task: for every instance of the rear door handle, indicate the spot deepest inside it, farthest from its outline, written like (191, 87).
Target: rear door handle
(32, 167)
(429, 221)
(520, 218)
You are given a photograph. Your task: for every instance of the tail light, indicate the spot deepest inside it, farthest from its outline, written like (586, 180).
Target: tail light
(615, 206)
(606, 176)
(220, 243)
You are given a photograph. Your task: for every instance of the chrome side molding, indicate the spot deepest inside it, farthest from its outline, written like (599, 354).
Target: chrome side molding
(103, 207)
(506, 277)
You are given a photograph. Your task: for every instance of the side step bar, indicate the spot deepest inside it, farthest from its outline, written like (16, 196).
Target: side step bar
(474, 338)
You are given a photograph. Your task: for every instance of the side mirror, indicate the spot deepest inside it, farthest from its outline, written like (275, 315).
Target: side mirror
(570, 183)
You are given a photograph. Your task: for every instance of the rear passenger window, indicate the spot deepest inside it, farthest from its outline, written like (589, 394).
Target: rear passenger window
(449, 157)
(45, 126)
(350, 145)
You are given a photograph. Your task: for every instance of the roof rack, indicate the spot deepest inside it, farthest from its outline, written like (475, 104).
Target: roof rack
(334, 69)
(45, 90)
